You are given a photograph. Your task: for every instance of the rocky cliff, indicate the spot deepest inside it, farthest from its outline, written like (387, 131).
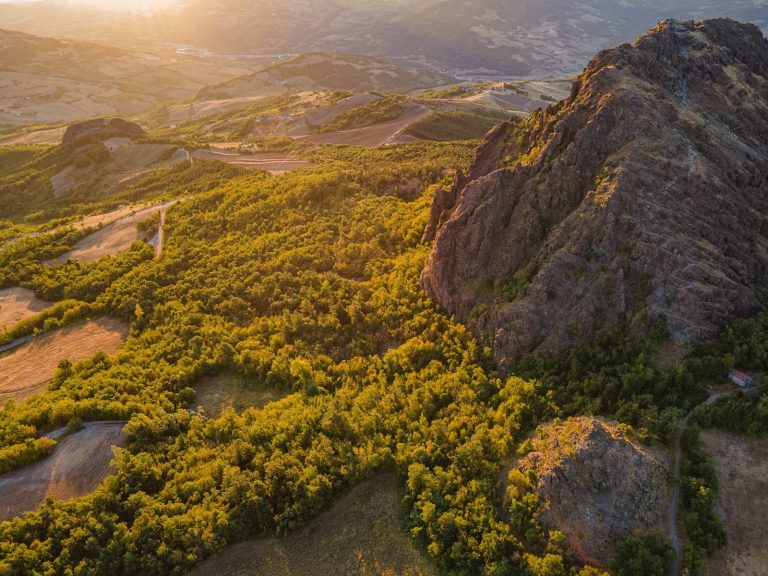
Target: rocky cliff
(643, 195)
(595, 485)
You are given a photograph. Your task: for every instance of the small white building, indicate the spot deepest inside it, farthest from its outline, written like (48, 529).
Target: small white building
(741, 379)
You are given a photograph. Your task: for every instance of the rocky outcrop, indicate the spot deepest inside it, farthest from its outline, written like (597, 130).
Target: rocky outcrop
(102, 129)
(595, 485)
(644, 195)
(488, 157)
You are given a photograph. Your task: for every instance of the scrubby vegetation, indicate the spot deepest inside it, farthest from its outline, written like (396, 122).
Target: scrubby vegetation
(618, 376)
(643, 555)
(704, 533)
(306, 284)
(298, 283)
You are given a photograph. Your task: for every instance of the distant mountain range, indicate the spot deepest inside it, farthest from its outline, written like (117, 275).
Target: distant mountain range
(465, 37)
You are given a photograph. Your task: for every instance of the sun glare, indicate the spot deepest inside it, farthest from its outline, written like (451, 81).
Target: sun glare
(134, 5)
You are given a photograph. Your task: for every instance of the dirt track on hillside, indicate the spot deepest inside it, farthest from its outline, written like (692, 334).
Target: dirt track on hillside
(26, 370)
(78, 465)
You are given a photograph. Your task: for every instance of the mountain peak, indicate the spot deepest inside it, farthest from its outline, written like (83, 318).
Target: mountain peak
(640, 197)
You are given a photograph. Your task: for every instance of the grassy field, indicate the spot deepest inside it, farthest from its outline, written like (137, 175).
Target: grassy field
(77, 466)
(214, 393)
(742, 470)
(17, 304)
(27, 370)
(359, 536)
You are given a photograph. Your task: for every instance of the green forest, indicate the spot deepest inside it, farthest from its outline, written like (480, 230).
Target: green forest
(309, 283)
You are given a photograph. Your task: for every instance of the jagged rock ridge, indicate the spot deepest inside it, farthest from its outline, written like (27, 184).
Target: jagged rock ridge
(596, 485)
(643, 195)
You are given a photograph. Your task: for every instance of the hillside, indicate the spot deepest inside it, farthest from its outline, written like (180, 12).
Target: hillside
(526, 37)
(49, 81)
(329, 70)
(641, 197)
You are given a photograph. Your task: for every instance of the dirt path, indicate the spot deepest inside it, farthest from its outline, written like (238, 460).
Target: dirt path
(78, 465)
(673, 527)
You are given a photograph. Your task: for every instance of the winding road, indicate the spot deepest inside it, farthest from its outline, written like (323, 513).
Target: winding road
(673, 528)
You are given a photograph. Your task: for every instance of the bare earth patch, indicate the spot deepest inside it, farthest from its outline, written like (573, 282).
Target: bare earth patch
(17, 304)
(78, 465)
(114, 238)
(27, 370)
(360, 535)
(742, 470)
(214, 393)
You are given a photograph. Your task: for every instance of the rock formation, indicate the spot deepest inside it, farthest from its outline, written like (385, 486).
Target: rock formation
(595, 485)
(102, 129)
(644, 195)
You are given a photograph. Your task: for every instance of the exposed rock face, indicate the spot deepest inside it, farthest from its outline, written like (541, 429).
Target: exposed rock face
(103, 128)
(595, 485)
(642, 195)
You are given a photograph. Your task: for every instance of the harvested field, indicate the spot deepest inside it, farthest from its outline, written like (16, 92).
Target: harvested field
(214, 393)
(742, 470)
(115, 237)
(26, 370)
(17, 304)
(375, 135)
(138, 156)
(274, 162)
(78, 465)
(203, 108)
(359, 535)
(47, 137)
(325, 114)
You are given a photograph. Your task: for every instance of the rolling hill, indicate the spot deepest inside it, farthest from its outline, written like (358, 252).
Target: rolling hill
(44, 80)
(525, 38)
